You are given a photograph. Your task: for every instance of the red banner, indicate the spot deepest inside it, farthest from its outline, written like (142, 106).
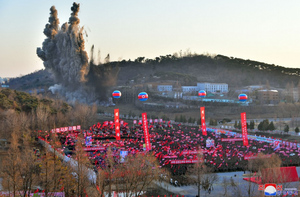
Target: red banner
(231, 139)
(146, 133)
(170, 156)
(203, 125)
(94, 148)
(117, 124)
(244, 128)
(189, 152)
(255, 156)
(186, 161)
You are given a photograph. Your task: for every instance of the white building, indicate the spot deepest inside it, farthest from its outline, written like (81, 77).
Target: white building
(189, 88)
(163, 88)
(213, 87)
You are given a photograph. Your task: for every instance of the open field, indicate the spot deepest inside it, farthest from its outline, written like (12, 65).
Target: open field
(213, 110)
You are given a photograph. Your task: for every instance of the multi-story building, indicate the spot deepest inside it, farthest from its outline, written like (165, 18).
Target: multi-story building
(268, 96)
(213, 87)
(163, 88)
(186, 89)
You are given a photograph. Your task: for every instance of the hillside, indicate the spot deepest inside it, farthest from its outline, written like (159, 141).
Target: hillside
(24, 102)
(40, 79)
(188, 70)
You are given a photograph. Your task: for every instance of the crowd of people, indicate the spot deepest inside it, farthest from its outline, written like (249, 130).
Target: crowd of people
(175, 146)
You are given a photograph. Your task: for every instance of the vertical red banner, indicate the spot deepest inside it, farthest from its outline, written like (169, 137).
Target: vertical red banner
(244, 128)
(203, 125)
(117, 124)
(146, 132)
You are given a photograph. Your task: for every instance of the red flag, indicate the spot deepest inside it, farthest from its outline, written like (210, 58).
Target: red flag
(244, 128)
(117, 124)
(203, 125)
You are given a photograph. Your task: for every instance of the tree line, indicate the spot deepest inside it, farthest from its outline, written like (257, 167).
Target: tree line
(22, 169)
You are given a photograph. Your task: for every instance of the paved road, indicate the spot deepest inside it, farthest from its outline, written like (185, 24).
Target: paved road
(191, 191)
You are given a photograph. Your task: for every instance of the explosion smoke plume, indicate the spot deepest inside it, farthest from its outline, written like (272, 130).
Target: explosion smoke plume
(64, 55)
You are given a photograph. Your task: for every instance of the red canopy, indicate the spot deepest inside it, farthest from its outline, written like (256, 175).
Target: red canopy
(276, 175)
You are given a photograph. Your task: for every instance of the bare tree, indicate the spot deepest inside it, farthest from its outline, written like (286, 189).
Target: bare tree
(67, 181)
(100, 182)
(261, 162)
(28, 167)
(236, 189)
(225, 184)
(52, 170)
(84, 115)
(138, 172)
(10, 166)
(209, 179)
(46, 173)
(42, 115)
(260, 165)
(197, 172)
(81, 169)
(12, 123)
(24, 121)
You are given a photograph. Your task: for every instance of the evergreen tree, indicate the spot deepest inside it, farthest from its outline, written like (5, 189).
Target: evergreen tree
(213, 122)
(182, 118)
(297, 130)
(286, 128)
(265, 125)
(271, 126)
(193, 120)
(235, 124)
(251, 126)
(199, 121)
(239, 125)
(177, 119)
(164, 117)
(133, 114)
(259, 126)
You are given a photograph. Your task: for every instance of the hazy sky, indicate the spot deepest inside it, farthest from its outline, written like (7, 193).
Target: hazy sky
(261, 30)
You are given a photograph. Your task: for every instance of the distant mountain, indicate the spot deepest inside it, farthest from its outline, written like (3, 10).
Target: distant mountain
(187, 70)
(40, 79)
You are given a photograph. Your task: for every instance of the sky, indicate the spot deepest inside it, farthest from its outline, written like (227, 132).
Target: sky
(266, 31)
